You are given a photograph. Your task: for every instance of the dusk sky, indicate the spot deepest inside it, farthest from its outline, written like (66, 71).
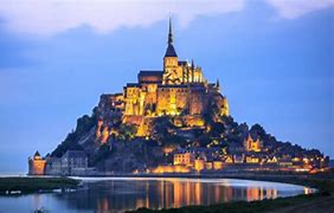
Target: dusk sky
(274, 60)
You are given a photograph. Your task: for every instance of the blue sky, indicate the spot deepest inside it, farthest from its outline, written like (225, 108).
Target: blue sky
(274, 60)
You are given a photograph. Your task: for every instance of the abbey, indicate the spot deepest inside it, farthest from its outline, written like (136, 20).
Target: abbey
(180, 88)
(170, 121)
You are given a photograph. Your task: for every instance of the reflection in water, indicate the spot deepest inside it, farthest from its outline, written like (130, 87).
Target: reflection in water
(120, 194)
(37, 200)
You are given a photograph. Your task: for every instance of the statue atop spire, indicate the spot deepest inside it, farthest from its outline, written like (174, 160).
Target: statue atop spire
(170, 52)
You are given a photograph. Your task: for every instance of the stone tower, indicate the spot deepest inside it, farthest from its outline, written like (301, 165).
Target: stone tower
(36, 165)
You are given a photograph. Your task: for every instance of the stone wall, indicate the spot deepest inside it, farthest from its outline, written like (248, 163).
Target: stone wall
(172, 100)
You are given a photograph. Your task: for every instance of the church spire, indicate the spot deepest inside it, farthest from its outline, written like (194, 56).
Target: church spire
(170, 33)
(170, 52)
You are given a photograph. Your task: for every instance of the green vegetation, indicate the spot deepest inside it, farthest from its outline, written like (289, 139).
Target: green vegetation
(35, 184)
(161, 129)
(127, 132)
(162, 133)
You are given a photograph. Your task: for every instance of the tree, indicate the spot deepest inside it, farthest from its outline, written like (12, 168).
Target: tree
(258, 130)
(203, 140)
(127, 132)
(217, 129)
(102, 153)
(161, 127)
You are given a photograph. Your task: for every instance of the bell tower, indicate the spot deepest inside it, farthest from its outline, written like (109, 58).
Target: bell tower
(170, 75)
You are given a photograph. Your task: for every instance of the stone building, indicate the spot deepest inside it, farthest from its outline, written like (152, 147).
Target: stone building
(253, 144)
(53, 166)
(183, 158)
(73, 162)
(179, 88)
(36, 164)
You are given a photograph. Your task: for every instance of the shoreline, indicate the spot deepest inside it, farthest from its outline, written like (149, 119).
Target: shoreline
(323, 196)
(270, 177)
(286, 179)
(27, 185)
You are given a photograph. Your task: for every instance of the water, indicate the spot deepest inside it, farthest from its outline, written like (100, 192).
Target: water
(120, 194)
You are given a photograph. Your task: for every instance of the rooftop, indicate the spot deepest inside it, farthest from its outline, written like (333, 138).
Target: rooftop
(149, 72)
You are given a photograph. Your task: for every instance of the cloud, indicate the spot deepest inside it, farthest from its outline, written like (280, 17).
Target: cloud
(291, 9)
(49, 17)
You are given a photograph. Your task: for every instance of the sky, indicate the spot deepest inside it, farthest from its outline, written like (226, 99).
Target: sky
(274, 60)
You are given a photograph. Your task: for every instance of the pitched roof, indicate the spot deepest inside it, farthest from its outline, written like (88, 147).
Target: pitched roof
(150, 73)
(184, 63)
(37, 154)
(132, 85)
(170, 52)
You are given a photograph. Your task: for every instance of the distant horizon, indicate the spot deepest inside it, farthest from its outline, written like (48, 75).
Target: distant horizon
(274, 62)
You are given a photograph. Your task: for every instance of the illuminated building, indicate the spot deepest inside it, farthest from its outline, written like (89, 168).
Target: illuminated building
(184, 158)
(252, 144)
(228, 159)
(37, 165)
(272, 160)
(170, 169)
(252, 159)
(217, 165)
(199, 164)
(179, 88)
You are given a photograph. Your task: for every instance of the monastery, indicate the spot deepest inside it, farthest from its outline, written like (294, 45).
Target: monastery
(180, 88)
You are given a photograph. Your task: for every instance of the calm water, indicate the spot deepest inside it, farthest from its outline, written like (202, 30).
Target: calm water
(120, 194)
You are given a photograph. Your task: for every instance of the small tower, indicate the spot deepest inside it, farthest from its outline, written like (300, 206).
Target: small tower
(218, 85)
(192, 70)
(36, 164)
